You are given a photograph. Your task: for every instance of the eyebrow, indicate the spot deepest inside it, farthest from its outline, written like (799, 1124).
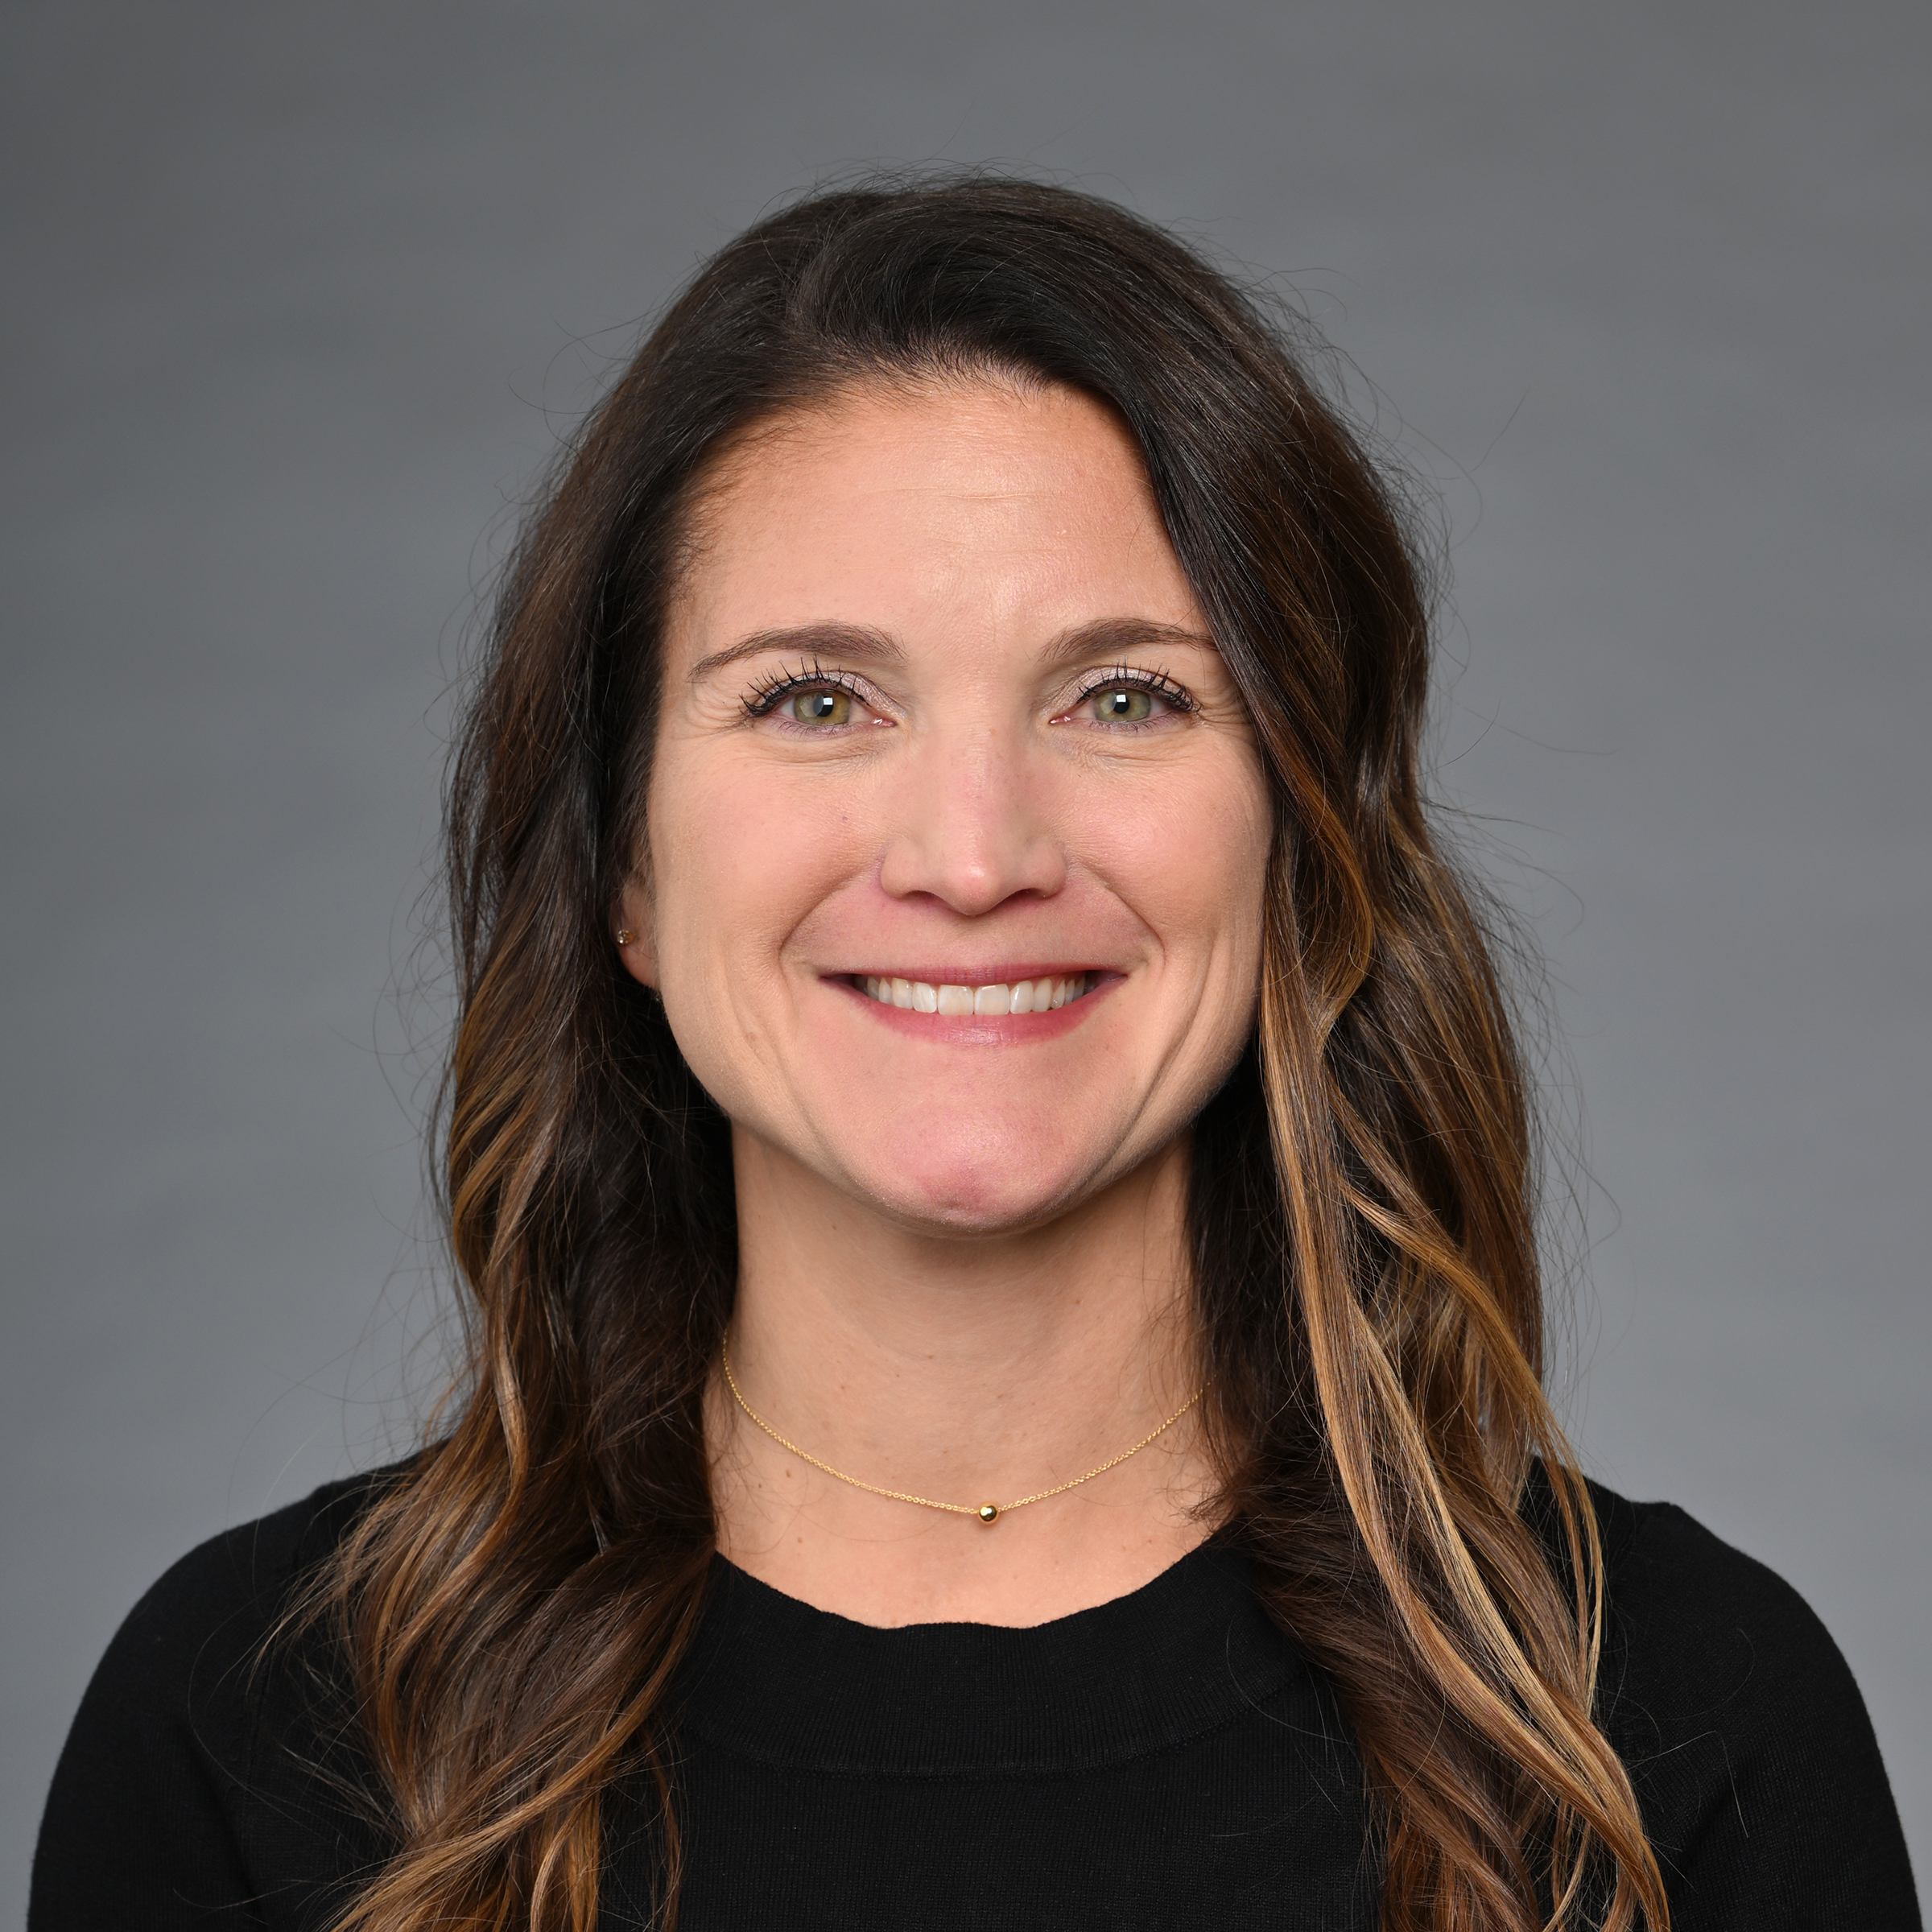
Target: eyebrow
(857, 641)
(1115, 634)
(806, 640)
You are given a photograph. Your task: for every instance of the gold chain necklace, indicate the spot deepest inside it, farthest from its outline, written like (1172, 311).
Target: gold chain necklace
(987, 1513)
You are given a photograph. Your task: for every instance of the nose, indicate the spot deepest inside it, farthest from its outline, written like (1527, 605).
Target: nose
(969, 824)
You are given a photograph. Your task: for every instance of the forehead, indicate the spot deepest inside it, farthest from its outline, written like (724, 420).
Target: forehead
(927, 507)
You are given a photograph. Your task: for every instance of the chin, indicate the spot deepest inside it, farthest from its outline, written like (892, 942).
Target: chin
(978, 1191)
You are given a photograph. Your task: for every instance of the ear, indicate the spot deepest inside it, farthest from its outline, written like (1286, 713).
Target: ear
(635, 933)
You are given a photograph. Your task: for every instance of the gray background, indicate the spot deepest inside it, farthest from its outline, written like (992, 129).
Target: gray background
(297, 300)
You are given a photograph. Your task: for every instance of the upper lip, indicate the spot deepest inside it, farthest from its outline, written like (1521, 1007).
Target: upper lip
(999, 974)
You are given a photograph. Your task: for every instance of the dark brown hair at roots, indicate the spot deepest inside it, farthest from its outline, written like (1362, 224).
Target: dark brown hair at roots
(1363, 1210)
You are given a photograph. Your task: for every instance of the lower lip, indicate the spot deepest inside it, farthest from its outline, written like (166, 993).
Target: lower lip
(982, 1029)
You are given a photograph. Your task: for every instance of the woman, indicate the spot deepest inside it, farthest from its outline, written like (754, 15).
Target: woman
(996, 1196)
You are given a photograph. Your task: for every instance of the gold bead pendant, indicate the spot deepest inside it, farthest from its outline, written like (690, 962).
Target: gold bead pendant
(990, 1513)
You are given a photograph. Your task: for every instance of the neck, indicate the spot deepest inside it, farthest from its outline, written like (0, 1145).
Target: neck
(966, 1369)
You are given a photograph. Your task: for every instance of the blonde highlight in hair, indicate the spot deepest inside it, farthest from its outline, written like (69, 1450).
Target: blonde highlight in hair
(514, 1605)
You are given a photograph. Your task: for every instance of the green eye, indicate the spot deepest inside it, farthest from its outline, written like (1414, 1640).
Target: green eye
(1124, 705)
(820, 707)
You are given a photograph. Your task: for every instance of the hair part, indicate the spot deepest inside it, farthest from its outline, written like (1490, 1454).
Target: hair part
(1362, 1209)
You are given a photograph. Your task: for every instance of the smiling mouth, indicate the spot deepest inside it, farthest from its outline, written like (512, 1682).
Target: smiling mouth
(1022, 996)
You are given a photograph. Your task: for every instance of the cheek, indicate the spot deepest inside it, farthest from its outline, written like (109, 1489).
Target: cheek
(739, 858)
(1191, 860)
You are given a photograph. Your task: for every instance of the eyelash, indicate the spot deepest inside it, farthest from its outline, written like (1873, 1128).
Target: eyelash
(767, 694)
(1158, 682)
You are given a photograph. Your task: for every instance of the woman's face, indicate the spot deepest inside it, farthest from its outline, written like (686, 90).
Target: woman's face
(956, 829)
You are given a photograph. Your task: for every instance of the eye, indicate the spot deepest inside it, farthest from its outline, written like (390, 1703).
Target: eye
(1122, 706)
(819, 707)
(810, 700)
(1128, 697)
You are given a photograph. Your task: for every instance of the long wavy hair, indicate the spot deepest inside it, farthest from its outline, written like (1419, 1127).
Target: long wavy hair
(1362, 1208)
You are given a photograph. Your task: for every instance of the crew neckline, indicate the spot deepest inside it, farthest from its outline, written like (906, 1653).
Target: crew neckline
(775, 1679)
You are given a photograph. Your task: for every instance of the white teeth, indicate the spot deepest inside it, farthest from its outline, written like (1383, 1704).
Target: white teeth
(1023, 996)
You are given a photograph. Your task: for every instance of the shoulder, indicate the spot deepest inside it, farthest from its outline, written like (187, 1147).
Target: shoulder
(185, 1647)
(1744, 1735)
(161, 1786)
(1690, 1613)
(241, 1580)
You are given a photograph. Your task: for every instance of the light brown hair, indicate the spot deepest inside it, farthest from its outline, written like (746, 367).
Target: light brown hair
(1362, 1200)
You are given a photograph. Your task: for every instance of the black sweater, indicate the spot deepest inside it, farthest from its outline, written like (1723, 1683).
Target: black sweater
(1166, 1760)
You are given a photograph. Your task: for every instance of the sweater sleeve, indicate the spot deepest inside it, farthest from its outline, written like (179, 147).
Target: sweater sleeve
(1753, 1759)
(179, 1800)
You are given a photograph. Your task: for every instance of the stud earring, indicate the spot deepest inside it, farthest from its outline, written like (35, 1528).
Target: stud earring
(625, 936)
